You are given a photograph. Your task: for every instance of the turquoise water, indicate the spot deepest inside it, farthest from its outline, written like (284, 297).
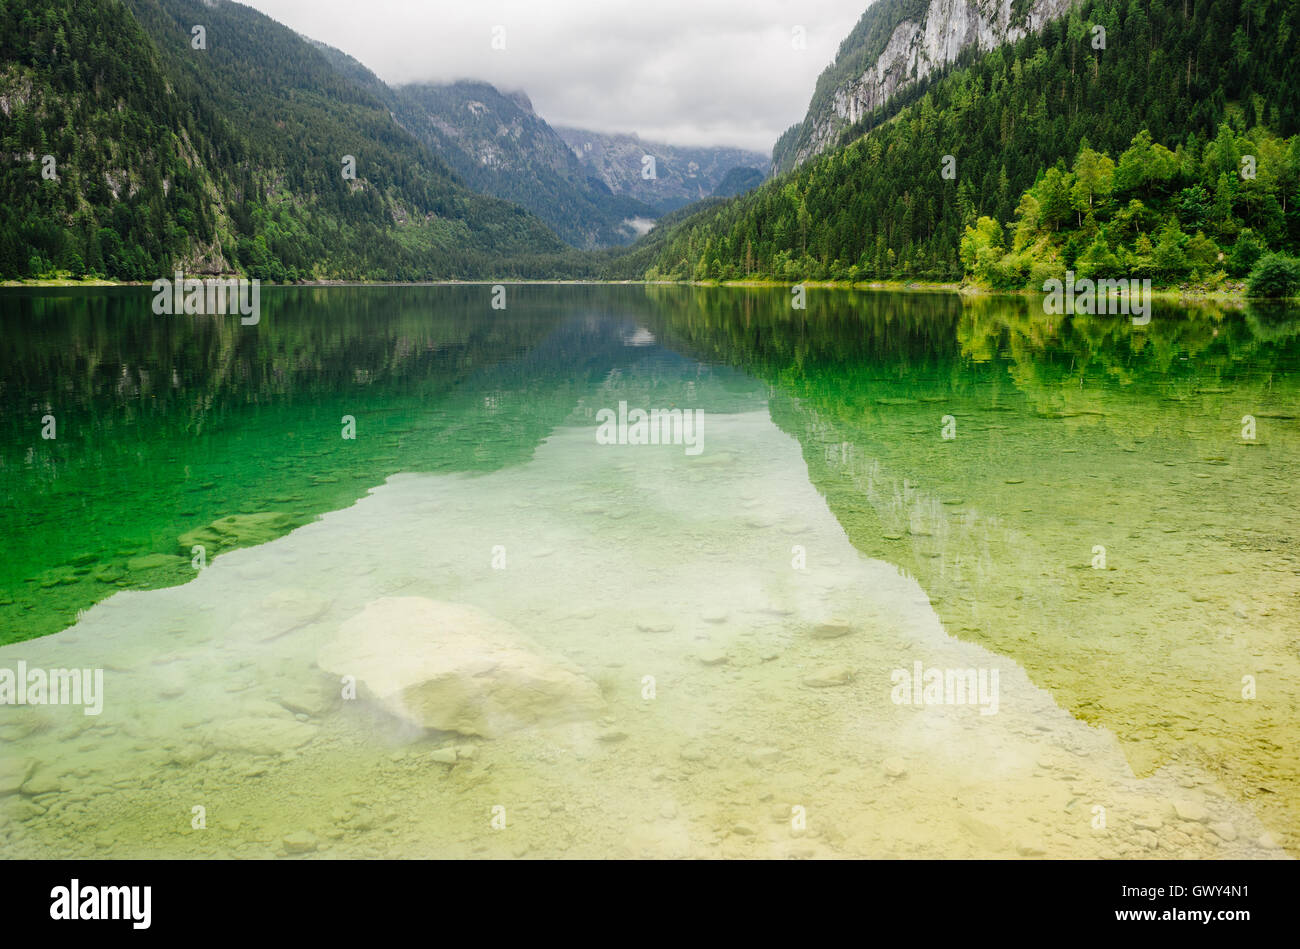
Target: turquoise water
(722, 634)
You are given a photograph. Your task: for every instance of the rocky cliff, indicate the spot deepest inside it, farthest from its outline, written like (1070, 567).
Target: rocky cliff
(896, 44)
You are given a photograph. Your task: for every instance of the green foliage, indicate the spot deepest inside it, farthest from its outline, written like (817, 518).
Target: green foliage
(228, 159)
(1275, 275)
(1057, 141)
(1245, 253)
(1097, 260)
(737, 181)
(224, 159)
(86, 88)
(981, 245)
(1136, 222)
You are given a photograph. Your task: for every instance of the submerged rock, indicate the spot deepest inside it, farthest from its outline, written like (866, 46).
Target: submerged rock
(300, 841)
(832, 629)
(455, 668)
(14, 773)
(713, 657)
(282, 612)
(1191, 811)
(41, 782)
(154, 562)
(308, 698)
(238, 530)
(260, 736)
(1224, 830)
(829, 677)
(1031, 846)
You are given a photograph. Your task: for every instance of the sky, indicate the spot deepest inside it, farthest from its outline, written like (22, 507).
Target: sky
(686, 72)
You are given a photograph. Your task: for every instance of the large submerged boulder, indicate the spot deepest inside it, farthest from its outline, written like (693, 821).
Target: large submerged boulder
(455, 668)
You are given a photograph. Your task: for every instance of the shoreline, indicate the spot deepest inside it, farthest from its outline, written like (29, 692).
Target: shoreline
(1176, 293)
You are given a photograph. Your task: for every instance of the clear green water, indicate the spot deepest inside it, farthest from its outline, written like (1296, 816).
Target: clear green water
(1120, 688)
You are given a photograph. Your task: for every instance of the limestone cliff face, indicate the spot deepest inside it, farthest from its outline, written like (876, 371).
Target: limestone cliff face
(927, 38)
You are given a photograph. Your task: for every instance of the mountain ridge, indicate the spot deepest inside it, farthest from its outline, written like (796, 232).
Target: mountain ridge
(220, 156)
(682, 174)
(895, 45)
(498, 144)
(957, 158)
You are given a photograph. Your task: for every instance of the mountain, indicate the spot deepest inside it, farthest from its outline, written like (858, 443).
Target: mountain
(498, 145)
(219, 158)
(679, 175)
(589, 186)
(898, 44)
(738, 181)
(127, 149)
(1136, 148)
(101, 164)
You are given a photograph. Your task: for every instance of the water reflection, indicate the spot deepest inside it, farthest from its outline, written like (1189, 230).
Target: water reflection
(825, 441)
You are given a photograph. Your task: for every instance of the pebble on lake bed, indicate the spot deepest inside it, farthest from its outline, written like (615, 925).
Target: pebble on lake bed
(300, 841)
(1191, 811)
(831, 629)
(829, 677)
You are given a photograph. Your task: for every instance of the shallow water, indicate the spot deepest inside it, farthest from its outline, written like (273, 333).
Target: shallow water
(743, 610)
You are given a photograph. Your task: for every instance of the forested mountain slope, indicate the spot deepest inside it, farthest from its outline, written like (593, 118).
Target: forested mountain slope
(228, 157)
(896, 44)
(500, 146)
(882, 207)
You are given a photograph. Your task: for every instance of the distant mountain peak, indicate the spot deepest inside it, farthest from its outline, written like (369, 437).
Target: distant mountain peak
(520, 98)
(679, 174)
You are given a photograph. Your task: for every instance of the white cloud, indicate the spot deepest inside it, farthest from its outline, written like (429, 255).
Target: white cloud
(690, 72)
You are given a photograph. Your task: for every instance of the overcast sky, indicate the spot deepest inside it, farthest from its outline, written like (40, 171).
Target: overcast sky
(689, 72)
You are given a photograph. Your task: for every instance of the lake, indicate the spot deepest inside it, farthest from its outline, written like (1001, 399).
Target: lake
(895, 575)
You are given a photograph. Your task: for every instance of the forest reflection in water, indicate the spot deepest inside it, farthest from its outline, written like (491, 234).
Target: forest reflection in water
(1095, 518)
